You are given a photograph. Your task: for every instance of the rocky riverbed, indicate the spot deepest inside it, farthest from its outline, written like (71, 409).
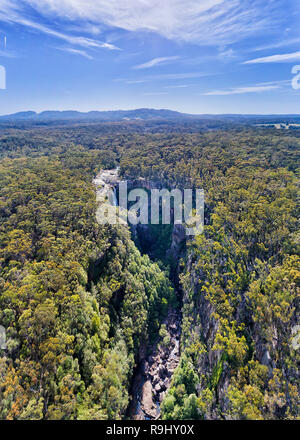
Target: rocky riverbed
(154, 374)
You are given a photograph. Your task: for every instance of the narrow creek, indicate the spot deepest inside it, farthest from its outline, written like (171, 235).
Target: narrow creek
(153, 374)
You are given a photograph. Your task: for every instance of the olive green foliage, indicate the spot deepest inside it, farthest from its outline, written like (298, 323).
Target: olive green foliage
(79, 301)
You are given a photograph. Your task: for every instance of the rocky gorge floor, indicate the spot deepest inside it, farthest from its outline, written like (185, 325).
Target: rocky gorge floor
(154, 374)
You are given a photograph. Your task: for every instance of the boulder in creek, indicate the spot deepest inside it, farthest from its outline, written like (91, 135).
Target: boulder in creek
(147, 403)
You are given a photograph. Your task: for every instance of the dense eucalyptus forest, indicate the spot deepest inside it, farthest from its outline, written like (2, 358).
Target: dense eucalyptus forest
(85, 306)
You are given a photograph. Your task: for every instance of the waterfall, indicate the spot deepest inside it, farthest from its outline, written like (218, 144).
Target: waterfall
(105, 186)
(112, 197)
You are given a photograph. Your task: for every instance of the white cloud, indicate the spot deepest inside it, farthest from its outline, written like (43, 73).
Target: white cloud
(155, 94)
(162, 77)
(73, 51)
(227, 53)
(6, 54)
(276, 45)
(183, 86)
(175, 76)
(282, 58)
(80, 41)
(138, 81)
(9, 12)
(241, 90)
(201, 22)
(156, 62)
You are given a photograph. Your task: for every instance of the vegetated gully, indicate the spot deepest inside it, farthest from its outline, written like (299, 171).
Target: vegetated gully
(157, 362)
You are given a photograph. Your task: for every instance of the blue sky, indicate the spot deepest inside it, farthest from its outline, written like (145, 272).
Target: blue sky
(196, 56)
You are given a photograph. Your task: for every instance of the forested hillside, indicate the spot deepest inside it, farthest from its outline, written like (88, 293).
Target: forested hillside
(82, 303)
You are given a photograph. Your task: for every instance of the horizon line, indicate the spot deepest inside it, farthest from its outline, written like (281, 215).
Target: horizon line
(146, 108)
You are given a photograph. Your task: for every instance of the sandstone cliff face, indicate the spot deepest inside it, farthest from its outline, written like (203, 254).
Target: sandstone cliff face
(200, 323)
(248, 364)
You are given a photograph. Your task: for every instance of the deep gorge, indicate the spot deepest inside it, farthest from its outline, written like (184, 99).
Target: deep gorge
(158, 360)
(104, 322)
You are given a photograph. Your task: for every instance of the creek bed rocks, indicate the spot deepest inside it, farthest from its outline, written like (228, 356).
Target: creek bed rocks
(154, 374)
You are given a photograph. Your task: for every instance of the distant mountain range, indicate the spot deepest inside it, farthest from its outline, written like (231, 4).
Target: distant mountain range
(138, 114)
(117, 115)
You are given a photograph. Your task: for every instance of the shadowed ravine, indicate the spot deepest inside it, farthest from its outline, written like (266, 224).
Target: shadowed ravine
(153, 375)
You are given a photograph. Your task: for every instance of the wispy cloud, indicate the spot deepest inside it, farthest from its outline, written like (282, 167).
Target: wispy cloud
(79, 41)
(280, 58)
(138, 81)
(277, 44)
(180, 86)
(7, 54)
(241, 90)
(12, 11)
(155, 93)
(163, 77)
(156, 62)
(175, 76)
(227, 53)
(73, 51)
(201, 22)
